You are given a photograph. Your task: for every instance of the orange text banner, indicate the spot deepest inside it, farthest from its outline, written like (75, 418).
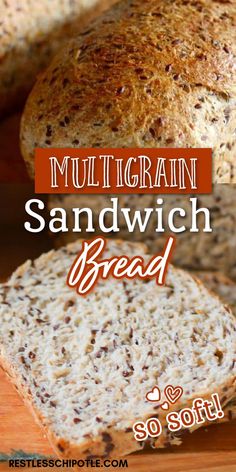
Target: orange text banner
(96, 171)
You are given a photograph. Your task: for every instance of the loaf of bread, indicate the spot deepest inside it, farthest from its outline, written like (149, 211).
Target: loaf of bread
(214, 251)
(147, 74)
(85, 364)
(30, 32)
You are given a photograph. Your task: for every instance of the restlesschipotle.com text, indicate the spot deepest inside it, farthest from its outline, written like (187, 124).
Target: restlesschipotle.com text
(68, 463)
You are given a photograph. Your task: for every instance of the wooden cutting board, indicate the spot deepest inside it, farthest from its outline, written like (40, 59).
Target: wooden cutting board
(206, 450)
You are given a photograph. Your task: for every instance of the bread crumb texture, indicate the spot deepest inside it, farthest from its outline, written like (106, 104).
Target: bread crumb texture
(146, 74)
(85, 364)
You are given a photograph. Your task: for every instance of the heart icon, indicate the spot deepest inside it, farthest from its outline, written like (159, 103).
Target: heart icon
(165, 406)
(154, 395)
(173, 393)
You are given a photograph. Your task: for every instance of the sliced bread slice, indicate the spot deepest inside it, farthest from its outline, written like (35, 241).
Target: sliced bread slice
(85, 364)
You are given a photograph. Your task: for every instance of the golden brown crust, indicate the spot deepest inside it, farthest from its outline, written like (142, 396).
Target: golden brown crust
(148, 74)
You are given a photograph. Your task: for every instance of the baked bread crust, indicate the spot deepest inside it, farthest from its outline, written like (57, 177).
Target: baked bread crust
(20, 330)
(31, 32)
(147, 74)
